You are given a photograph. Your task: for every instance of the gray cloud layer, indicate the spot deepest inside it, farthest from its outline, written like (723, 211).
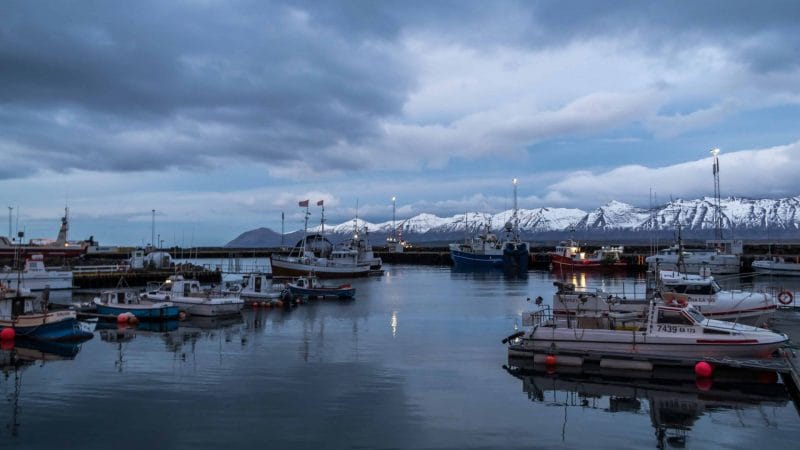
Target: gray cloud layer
(126, 86)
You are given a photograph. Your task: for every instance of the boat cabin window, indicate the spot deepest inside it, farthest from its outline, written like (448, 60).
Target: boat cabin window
(699, 289)
(257, 284)
(121, 297)
(696, 315)
(186, 289)
(673, 316)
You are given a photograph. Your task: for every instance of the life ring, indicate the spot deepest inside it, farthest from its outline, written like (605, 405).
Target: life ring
(682, 301)
(785, 297)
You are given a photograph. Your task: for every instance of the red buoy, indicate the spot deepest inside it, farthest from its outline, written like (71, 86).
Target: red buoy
(703, 384)
(550, 360)
(7, 334)
(703, 369)
(122, 318)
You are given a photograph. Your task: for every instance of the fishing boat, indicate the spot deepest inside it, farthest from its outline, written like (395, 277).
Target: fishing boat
(189, 297)
(60, 247)
(315, 254)
(36, 277)
(20, 312)
(669, 331)
(702, 292)
(675, 257)
(776, 266)
(482, 251)
(359, 241)
(487, 251)
(115, 302)
(258, 287)
(569, 255)
(310, 287)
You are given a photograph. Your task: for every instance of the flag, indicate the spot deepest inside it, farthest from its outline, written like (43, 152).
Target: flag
(319, 203)
(304, 203)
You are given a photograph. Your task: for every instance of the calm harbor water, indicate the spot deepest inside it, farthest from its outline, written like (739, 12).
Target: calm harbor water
(415, 361)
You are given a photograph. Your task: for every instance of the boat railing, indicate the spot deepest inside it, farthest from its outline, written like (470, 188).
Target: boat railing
(534, 318)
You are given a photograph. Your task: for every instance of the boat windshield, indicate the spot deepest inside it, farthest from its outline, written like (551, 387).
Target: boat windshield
(695, 314)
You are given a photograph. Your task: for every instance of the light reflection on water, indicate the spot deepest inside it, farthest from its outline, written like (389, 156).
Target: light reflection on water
(414, 361)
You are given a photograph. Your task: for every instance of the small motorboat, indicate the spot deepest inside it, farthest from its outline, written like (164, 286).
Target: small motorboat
(310, 287)
(776, 266)
(257, 288)
(188, 296)
(115, 302)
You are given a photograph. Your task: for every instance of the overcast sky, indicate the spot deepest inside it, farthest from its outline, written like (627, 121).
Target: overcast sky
(221, 115)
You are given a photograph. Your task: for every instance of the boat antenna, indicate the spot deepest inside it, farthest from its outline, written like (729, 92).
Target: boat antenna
(282, 232)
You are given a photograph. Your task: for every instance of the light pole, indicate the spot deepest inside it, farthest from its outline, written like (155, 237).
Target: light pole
(394, 227)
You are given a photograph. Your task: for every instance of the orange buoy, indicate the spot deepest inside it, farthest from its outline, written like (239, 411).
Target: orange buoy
(550, 360)
(7, 334)
(703, 369)
(278, 303)
(132, 319)
(181, 315)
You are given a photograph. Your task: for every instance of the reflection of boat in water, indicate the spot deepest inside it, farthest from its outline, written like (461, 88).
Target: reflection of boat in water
(568, 255)
(24, 353)
(674, 401)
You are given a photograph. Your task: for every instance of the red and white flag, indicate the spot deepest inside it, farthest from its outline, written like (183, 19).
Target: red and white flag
(319, 203)
(304, 204)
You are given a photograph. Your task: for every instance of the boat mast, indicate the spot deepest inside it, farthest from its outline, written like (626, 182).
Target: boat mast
(717, 213)
(322, 218)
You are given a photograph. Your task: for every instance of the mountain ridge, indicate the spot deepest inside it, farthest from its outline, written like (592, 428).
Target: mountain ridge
(740, 216)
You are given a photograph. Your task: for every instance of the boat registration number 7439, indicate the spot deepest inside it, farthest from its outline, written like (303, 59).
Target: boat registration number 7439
(675, 329)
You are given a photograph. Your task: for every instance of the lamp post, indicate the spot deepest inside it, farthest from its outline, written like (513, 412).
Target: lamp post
(394, 227)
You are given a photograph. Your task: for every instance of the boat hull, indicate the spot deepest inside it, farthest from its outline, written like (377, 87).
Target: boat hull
(38, 281)
(516, 257)
(289, 268)
(51, 326)
(323, 292)
(776, 268)
(145, 312)
(560, 262)
(467, 260)
(598, 342)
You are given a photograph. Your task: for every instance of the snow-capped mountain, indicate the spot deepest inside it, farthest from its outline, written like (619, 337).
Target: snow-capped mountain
(745, 217)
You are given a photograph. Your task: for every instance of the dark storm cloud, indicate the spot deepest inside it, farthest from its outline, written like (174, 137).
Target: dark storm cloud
(118, 85)
(136, 85)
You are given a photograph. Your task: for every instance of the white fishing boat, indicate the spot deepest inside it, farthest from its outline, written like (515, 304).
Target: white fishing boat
(36, 277)
(717, 261)
(189, 297)
(702, 292)
(258, 287)
(315, 254)
(359, 242)
(776, 266)
(671, 332)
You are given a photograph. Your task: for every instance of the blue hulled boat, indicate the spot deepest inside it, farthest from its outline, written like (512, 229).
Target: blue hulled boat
(17, 312)
(116, 302)
(486, 251)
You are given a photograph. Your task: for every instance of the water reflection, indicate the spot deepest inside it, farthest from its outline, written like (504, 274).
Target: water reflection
(674, 400)
(17, 356)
